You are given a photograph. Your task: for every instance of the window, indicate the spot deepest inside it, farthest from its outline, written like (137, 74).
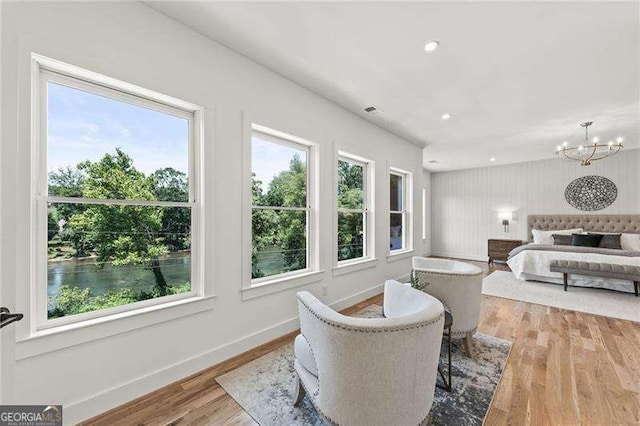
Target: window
(354, 216)
(282, 206)
(117, 201)
(424, 213)
(399, 210)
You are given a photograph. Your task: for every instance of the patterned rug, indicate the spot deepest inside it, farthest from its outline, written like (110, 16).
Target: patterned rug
(265, 387)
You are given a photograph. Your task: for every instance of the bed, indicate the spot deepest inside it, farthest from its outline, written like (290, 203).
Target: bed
(532, 261)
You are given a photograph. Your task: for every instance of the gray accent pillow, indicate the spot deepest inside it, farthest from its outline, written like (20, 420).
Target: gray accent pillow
(561, 240)
(586, 240)
(610, 241)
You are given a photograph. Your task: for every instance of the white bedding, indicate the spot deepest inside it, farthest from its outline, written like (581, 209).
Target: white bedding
(533, 265)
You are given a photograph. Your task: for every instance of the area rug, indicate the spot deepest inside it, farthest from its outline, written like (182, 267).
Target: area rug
(596, 301)
(265, 387)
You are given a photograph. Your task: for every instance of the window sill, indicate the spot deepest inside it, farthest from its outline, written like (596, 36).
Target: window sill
(281, 284)
(349, 267)
(68, 335)
(399, 255)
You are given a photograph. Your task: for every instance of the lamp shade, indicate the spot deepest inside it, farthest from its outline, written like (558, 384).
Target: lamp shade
(505, 215)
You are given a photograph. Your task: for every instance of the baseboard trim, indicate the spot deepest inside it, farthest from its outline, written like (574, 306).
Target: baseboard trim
(93, 405)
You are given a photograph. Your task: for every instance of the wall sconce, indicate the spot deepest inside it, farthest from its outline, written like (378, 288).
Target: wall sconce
(505, 217)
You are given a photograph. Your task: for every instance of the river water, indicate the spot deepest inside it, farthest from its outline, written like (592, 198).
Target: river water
(175, 267)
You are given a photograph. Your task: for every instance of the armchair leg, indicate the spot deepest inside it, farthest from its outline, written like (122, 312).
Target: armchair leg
(300, 393)
(468, 344)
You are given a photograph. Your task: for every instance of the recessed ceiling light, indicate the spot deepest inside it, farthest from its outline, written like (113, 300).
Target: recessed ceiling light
(492, 159)
(431, 45)
(446, 116)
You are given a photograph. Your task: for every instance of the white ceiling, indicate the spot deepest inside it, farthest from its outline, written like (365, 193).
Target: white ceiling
(518, 78)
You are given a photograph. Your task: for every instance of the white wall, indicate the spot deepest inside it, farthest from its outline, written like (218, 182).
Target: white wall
(130, 42)
(465, 203)
(426, 184)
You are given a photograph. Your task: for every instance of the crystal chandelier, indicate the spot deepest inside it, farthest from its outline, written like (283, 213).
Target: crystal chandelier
(588, 153)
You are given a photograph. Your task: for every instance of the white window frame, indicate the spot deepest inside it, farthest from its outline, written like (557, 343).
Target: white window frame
(368, 186)
(45, 70)
(407, 211)
(265, 285)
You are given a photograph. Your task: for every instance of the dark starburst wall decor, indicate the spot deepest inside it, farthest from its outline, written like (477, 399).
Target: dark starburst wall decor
(591, 193)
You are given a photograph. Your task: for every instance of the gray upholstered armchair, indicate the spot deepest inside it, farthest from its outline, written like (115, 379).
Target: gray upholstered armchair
(458, 285)
(362, 371)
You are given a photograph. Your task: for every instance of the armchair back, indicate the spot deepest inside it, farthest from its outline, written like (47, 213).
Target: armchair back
(375, 371)
(458, 285)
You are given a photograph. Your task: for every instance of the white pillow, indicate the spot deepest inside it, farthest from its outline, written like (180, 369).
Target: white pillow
(630, 242)
(546, 237)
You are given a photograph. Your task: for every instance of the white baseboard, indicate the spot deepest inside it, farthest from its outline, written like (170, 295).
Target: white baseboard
(78, 411)
(462, 256)
(93, 405)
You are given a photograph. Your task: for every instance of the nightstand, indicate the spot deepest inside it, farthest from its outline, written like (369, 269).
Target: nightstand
(499, 249)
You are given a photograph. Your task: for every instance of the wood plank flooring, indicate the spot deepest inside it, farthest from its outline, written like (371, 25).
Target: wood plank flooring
(565, 368)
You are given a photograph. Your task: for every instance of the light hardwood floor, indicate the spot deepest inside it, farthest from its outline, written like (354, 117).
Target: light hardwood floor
(565, 368)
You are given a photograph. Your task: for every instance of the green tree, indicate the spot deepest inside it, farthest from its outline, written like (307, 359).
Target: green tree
(350, 191)
(264, 224)
(68, 182)
(289, 188)
(121, 234)
(279, 236)
(350, 225)
(170, 184)
(52, 224)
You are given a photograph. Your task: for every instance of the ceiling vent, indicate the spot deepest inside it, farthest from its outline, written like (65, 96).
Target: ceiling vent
(373, 110)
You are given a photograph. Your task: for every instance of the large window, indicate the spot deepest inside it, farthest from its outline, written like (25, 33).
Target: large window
(399, 210)
(282, 205)
(116, 199)
(354, 216)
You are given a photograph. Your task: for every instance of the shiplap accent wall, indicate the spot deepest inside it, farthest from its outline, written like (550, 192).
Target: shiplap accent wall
(464, 204)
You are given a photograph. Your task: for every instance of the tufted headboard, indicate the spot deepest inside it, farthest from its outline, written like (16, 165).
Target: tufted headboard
(623, 223)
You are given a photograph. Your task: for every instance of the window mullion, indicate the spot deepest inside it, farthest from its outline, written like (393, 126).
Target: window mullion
(149, 203)
(282, 208)
(345, 210)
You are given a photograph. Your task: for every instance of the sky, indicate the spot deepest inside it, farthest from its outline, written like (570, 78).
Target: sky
(84, 126)
(268, 159)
